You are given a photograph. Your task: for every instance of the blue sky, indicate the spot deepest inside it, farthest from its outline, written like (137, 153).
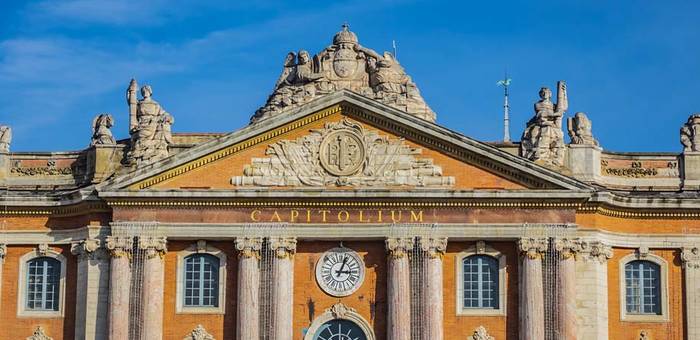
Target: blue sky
(631, 65)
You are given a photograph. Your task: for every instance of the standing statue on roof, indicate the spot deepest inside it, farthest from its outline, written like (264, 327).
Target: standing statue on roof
(5, 138)
(543, 138)
(345, 64)
(690, 134)
(101, 133)
(150, 127)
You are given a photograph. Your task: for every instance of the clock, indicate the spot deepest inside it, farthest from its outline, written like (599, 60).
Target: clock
(340, 272)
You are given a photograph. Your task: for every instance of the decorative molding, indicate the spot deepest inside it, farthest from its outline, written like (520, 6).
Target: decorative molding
(480, 333)
(644, 335)
(199, 333)
(153, 245)
(568, 247)
(597, 251)
(690, 257)
(480, 247)
(643, 252)
(3, 251)
(249, 246)
(86, 249)
(119, 245)
(399, 247)
(284, 247)
(343, 153)
(201, 246)
(42, 249)
(342, 312)
(532, 247)
(434, 246)
(39, 334)
(40, 171)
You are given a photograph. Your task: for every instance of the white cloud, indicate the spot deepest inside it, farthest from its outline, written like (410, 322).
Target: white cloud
(104, 11)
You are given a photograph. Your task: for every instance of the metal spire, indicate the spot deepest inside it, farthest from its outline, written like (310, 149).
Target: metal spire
(393, 45)
(505, 82)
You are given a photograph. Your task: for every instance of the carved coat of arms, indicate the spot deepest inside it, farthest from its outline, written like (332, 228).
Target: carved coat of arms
(342, 153)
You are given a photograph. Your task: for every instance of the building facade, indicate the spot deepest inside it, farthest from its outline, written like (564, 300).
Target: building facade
(343, 211)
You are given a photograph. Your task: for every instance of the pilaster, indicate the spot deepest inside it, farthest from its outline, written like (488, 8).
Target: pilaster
(432, 286)
(691, 270)
(92, 289)
(399, 290)
(531, 288)
(569, 250)
(248, 287)
(120, 248)
(153, 282)
(592, 290)
(283, 286)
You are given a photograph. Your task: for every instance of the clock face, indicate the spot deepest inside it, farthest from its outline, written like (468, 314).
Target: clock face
(340, 272)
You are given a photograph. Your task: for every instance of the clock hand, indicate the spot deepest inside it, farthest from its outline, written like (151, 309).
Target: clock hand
(337, 272)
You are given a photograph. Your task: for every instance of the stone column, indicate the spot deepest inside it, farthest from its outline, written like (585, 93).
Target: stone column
(119, 286)
(283, 286)
(691, 269)
(248, 287)
(399, 289)
(592, 290)
(3, 251)
(92, 290)
(152, 289)
(568, 248)
(531, 288)
(432, 287)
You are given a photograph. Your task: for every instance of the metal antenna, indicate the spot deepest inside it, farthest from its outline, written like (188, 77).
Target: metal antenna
(505, 82)
(393, 45)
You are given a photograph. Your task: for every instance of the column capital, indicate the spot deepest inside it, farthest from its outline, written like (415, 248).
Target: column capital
(597, 251)
(434, 246)
(249, 246)
(399, 247)
(533, 247)
(87, 249)
(568, 247)
(154, 245)
(119, 246)
(690, 257)
(284, 247)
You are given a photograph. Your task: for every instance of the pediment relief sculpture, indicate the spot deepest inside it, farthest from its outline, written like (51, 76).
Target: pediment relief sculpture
(342, 154)
(345, 64)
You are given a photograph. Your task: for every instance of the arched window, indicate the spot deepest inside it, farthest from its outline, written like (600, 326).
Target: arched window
(480, 282)
(201, 281)
(643, 287)
(43, 284)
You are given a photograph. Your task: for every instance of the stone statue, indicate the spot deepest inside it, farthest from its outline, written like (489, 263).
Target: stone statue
(151, 133)
(690, 133)
(580, 129)
(344, 65)
(101, 133)
(543, 139)
(5, 138)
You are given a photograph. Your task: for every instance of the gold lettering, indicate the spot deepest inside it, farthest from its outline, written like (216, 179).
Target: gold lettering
(254, 215)
(341, 219)
(308, 215)
(394, 219)
(293, 214)
(361, 220)
(417, 217)
(379, 216)
(275, 216)
(323, 214)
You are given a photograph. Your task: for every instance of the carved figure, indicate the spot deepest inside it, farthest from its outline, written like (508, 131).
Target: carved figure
(151, 133)
(5, 138)
(480, 333)
(101, 133)
(344, 65)
(342, 154)
(543, 139)
(580, 129)
(690, 133)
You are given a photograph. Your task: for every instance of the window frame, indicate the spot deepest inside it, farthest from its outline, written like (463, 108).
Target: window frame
(201, 247)
(22, 310)
(484, 250)
(663, 289)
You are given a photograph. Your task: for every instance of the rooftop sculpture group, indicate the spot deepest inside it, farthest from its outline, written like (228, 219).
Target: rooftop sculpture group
(149, 127)
(690, 134)
(5, 138)
(543, 139)
(344, 65)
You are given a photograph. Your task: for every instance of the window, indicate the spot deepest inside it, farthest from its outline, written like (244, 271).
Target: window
(43, 282)
(643, 288)
(201, 281)
(480, 275)
(481, 281)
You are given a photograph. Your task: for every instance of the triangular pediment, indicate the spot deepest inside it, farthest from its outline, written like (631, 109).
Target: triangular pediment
(344, 141)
